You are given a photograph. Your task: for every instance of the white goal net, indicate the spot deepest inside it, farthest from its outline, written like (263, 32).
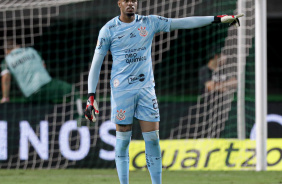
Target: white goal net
(67, 41)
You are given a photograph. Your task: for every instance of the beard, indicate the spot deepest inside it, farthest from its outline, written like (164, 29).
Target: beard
(130, 14)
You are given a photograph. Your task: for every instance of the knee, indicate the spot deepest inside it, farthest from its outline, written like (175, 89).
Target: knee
(123, 140)
(152, 145)
(151, 136)
(124, 128)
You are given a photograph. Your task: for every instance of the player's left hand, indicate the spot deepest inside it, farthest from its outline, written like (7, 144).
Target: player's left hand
(91, 108)
(231, 19)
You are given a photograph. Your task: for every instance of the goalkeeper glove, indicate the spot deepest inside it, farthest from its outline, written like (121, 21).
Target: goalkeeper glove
(91, 108)
(231, 19)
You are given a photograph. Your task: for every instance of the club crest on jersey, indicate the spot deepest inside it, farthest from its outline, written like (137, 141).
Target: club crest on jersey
(120, 115)
(142, 31)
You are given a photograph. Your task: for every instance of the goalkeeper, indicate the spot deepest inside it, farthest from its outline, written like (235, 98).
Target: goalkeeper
(27, 68)
(129, 38)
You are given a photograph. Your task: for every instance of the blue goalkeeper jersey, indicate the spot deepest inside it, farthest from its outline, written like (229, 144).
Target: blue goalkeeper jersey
(130, 45)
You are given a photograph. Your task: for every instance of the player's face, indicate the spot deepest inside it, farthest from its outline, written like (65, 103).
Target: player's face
(128, 7)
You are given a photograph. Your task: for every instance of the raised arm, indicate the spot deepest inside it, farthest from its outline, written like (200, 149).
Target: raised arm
(195, 22)
(190, 22)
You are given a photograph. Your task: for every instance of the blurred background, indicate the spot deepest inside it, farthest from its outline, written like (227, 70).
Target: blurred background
(65, 34)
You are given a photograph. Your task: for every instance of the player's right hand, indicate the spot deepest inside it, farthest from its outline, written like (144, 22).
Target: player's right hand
(91, 108)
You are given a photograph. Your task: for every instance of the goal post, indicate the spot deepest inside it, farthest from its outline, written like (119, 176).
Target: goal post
(261, 84)
(241, 124)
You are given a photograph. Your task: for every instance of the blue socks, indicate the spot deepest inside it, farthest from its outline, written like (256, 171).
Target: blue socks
(153, 155)
(122, 156)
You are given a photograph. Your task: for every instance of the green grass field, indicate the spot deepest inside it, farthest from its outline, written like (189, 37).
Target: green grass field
(93, 176)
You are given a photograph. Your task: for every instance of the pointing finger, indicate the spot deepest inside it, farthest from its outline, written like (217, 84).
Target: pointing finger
(239, 15)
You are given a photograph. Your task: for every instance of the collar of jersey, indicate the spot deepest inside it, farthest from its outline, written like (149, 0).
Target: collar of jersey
(123, 23)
